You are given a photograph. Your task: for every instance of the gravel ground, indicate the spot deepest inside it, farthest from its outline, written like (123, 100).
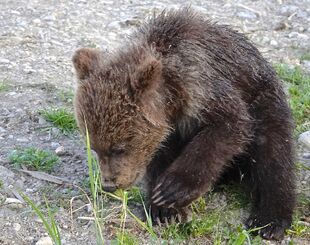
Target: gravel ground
(37, 41)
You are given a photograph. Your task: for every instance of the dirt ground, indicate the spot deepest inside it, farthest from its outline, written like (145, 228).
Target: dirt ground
(37, 41)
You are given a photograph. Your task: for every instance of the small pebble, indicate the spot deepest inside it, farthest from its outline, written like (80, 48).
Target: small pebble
(44, 241)
(16, 226)
(60, 151)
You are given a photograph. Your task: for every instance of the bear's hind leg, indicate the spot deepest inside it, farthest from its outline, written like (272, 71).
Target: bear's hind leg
(272, 170)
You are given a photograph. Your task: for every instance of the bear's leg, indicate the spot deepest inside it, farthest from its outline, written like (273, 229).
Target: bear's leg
(272, 169)
(161, 161)
(203, 159)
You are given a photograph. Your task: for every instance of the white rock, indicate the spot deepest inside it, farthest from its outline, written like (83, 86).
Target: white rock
(10, 200)
(44, 241)
(273, 43)
(247, 15)
(304, 138)
(16, 226)
(24, 140)
(60, 151)
(4, 61)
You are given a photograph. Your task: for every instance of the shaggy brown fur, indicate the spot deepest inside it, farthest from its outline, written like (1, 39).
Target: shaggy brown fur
(184, 99)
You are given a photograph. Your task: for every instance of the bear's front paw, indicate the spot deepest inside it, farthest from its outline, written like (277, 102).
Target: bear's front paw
(175, 190)
(273, 230)
(162, 215)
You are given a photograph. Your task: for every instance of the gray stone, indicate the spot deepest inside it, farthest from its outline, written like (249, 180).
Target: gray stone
(304, 139)
(288, 10)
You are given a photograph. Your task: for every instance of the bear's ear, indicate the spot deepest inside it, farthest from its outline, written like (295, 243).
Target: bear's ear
(148, 75)
(86, 61)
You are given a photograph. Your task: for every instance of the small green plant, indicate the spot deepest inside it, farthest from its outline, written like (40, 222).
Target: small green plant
(66, 96)
(299, 229)
(241, 236)
(49, 221)
(126, 239)
(3, 86)
(33, 159)
(196, 228)
(299, 94)
(305, 56)
(95, 188)
(61, 118)
(1, 184)
(134, 195)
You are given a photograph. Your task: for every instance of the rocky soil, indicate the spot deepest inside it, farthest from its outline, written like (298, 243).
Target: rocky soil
(37, 41)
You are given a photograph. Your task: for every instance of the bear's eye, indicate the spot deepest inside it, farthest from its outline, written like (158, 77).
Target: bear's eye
(117, 151)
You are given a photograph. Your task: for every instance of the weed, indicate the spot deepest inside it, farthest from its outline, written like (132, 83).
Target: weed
(66, 96)
(237, 197)
(305, 56)
(48, 221)
(196, 228)
(4, 86)
(33, 158)
(61, 118)
(299, 94)
(126, 239)
(299, 229)
(1, 184)
(134, 195)
(302, 166)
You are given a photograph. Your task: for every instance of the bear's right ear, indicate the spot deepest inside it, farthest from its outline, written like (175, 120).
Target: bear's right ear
(147, 76)
(86, 61)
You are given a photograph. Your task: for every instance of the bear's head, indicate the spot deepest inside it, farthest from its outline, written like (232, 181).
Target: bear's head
(119, 100)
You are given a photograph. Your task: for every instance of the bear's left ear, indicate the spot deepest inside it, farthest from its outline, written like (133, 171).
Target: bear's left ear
(148, 76)
(86, 61)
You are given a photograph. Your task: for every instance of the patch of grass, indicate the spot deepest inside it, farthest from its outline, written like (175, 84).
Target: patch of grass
(134, 195)
(237, 197)
(61, 118)
(199, 226)
(302, 166)
(299, 228)
(1, 184)
(305, 56)
(126, 239)
(33, 159)
(66, 96)
(4, 86)
(299, 94)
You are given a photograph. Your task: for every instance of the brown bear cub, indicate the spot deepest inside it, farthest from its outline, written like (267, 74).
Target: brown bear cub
(186, 100)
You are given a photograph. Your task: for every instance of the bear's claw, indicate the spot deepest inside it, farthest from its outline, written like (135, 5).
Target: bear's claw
(273, 230)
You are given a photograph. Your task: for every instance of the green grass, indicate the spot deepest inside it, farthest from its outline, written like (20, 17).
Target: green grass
(1, 184)
(66, 96)
(33, 159)
(305, 56)
(299, 94)
(48, 220)
(299, 229)
(61, 118)
(4, 86)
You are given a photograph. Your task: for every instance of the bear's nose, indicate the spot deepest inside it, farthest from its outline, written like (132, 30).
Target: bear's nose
(109, 188)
